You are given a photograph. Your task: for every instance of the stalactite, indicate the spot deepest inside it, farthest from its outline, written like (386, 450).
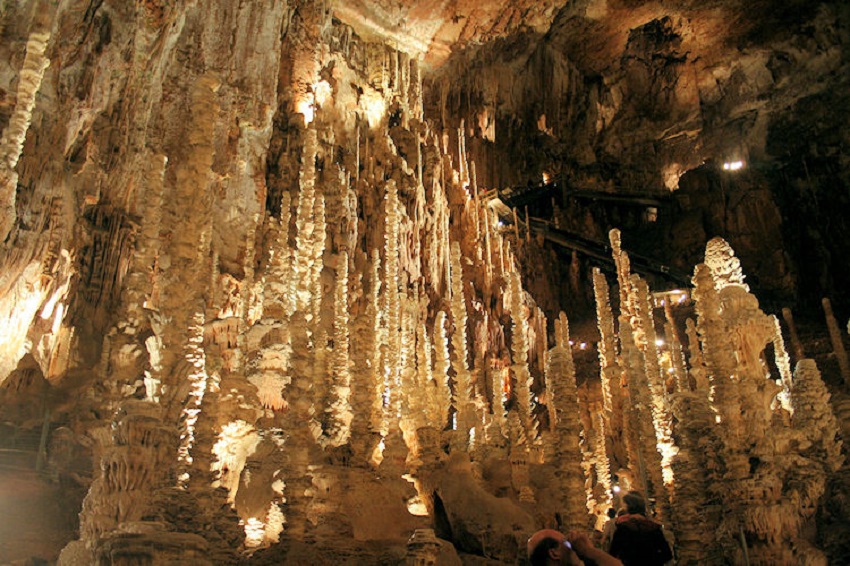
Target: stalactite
(340, 409)
(12, 142)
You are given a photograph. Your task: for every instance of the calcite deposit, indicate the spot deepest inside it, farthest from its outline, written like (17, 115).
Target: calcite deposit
(340, 282)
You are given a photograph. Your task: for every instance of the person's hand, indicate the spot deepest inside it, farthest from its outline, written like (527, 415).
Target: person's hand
(580, 541)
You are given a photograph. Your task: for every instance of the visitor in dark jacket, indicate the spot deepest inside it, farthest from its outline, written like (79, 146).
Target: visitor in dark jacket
(639, 540)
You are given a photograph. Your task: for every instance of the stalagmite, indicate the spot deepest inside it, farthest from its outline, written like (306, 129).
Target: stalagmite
(197, 377)
(645, 329)
(783, 363)
(463, 393)
(442, 363)
(695, 469)
(644, 454)
(378, 340)
(519, 358)
(796, 345)
(12, 142)
(623, 265)
(616, 427)
(698, 372)
(835, 336)
(562, 394)
(813, 416)
(303, 255)
(340, 409)
(392, 302)
(426, 386)
(677, 359)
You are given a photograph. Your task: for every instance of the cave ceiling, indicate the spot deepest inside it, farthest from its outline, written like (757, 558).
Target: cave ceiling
(594, 32)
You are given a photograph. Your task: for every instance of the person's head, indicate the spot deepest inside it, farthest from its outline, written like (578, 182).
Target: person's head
(612, 512)
(635, 503)
(548, 547)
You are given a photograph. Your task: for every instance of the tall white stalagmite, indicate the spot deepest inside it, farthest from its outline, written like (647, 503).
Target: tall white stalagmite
(442, 363)
(623, 264)
(607, 347)
(460, 349)
(645, 459)
(392, 360)
(563, 396)
(300, 279)
(661, 417)
(783, 364)
(519, 357)
(340, 408)
(376, 315)
(316, 258)
(430, 410)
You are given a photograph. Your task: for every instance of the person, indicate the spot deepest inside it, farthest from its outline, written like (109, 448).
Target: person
(639, 540)
(550, 547)
(608, 529)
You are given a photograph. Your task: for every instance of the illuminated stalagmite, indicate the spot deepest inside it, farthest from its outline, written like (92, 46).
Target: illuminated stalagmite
(561, 387)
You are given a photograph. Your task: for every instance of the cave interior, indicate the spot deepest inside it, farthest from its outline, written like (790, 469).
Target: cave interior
(402, 282)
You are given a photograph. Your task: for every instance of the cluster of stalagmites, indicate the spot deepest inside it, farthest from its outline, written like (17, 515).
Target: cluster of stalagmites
(362, 355)
(744, 455)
